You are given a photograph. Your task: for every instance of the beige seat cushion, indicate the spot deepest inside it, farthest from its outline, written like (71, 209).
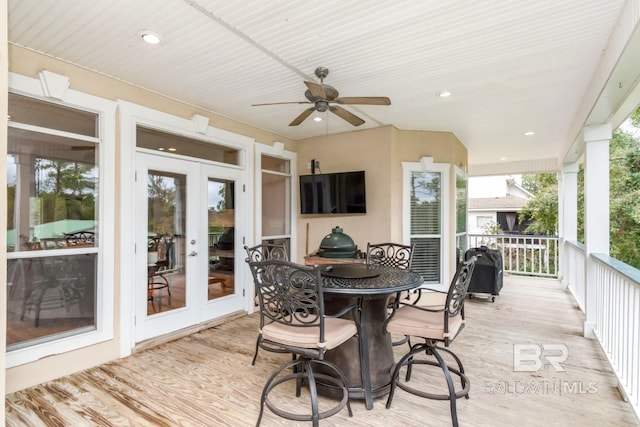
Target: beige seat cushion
(432, 300)
(336, 331)
(419, 323)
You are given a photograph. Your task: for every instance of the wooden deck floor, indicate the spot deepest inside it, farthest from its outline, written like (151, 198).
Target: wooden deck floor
(206, 379)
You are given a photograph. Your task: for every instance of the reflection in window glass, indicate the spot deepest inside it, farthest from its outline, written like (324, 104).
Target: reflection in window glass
(425, 217)
(176, 144)
(275, 164)
(461, 204)
(221, 235)
(166, 224)
(275, 205)
(461, 217)
(52, 199)
(24, 109)
(425, 202)
(51, 189)
(49, 298)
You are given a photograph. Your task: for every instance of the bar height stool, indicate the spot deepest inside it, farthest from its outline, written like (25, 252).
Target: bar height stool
(435, 317)
(265, 252)
(292, 317)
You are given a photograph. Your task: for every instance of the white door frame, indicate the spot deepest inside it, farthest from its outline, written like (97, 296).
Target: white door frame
(132, 115)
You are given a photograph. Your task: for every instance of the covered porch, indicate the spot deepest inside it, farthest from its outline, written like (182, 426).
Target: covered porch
(181, 382)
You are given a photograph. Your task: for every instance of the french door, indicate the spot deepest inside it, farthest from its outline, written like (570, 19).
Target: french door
(187, 243)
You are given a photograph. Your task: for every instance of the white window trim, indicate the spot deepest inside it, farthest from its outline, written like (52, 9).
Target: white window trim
(106, 111)
(277, 150)
(426, 165)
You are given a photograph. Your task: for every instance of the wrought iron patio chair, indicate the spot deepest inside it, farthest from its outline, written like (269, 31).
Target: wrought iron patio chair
(395, 255)
(437, 317)
(292, 317)
(264, 252)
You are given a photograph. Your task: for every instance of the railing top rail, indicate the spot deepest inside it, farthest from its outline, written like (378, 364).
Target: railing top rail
(575, 244)
(524, 236)
(631, 273)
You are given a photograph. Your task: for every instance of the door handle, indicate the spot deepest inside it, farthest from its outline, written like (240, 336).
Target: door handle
(193, 253)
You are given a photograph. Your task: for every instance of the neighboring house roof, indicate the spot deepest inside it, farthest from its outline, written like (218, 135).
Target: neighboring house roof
(515, 189)
(508, 203)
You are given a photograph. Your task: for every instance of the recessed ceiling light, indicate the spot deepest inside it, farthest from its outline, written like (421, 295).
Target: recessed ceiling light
(150, 37)
(317, 119)
(444, 94)
(503, 158)
(161, 149)
(529, 133)
(172, 149)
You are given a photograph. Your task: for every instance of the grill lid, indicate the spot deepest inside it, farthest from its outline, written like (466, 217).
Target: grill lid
(337, 245)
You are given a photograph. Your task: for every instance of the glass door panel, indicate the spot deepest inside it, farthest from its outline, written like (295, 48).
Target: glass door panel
(221, 237)
(166, 195)
(191, 238)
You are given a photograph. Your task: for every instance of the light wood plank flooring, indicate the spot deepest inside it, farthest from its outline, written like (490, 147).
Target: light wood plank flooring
(206, 379)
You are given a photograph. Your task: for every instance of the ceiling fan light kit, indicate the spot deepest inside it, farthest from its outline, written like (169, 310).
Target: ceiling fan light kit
(322, 96)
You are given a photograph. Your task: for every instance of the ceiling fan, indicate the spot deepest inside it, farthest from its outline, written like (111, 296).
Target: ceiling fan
(322, 96)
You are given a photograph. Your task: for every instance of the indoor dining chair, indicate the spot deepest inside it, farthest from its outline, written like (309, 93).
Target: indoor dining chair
(436, 317)
(293, 318)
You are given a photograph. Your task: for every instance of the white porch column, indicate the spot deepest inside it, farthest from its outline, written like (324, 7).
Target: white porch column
(596, 212)
(568, 212)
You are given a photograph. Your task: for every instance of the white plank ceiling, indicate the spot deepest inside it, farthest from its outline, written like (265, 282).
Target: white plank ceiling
(512, 65)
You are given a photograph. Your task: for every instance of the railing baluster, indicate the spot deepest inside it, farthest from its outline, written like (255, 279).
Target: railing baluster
(618, 322)
(528, 255)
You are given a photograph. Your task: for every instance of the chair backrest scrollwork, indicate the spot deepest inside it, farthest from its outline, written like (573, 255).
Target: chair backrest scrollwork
(289, 293)
(390, 255)
(267, 251)
(460, 286)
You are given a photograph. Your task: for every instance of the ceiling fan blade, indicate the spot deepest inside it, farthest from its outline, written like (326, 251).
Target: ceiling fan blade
(281, 103)
(316, 90)
(346, 115)
(306, 113)
(368, 100)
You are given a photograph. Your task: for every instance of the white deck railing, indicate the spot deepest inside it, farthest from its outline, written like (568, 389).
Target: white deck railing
(522, 254)
(573, 272)
(618, 322)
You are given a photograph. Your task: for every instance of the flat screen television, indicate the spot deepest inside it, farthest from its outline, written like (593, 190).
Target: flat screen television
(333, 193)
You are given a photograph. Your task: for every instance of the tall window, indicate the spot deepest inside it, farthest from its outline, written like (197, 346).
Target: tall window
(425, 197)
(461, 214)
(276, 201)
(52, 221)
(59, 295)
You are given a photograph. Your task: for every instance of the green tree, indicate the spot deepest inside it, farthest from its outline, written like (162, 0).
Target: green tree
(542, 209)
(624, 198)
(635, 118)
(624, 187)
(67, 189)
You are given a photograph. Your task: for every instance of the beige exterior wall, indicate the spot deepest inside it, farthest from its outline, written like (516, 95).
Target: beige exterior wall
(379, 152)
(367, 150)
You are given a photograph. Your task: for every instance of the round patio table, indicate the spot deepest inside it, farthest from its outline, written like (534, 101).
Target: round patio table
(366, 362)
